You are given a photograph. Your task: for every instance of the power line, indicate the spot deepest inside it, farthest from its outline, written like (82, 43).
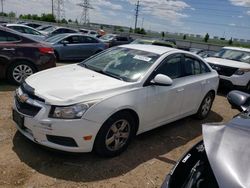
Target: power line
(85, 11)
(137, 13)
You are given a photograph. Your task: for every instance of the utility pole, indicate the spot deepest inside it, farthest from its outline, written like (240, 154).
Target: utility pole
(58, 9)
(2, 6)
(136, 13)
(52, 7)
(85, 5)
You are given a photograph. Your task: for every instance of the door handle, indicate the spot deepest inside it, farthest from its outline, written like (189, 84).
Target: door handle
(180, 90)
(8, 49)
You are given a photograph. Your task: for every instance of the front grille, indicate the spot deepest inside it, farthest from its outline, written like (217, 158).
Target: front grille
(61, 140)
(26, 108)
(30, 92)
(223, 70)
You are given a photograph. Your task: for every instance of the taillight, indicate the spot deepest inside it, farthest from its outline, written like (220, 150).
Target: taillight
(46, 50)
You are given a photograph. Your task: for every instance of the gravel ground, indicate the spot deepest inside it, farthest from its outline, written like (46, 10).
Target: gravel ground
(145, 164)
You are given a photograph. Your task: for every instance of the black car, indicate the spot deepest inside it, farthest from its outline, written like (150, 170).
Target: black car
(115, 40)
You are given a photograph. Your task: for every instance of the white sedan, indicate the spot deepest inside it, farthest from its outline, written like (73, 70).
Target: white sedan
(103, 102)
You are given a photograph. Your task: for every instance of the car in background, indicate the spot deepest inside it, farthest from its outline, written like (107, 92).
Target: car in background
(233, 66)
(75, 46)
(154, 42)
(89, 32)
(43, 27)
(21, 56)
(33, 25)
(103, 102)
(27, 31)
(51, 31)
(202, 52)
(115, 40)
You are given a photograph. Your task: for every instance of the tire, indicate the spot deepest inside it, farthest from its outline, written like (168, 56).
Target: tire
(19, 71)
(205, 106)
(115, 135)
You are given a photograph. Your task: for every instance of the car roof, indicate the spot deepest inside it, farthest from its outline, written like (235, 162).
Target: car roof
(151, 48)
(237, 48)
(20, 25)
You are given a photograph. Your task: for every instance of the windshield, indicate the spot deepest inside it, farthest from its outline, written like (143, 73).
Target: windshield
(107, 37)
(55, 38)
(235, 55)
(122, 63)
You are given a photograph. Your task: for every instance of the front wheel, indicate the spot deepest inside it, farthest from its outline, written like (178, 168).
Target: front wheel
(115, 135)
(205, 106)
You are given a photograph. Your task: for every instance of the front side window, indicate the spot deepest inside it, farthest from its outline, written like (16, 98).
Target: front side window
(122, 63)
(171, 67)
(73, 40)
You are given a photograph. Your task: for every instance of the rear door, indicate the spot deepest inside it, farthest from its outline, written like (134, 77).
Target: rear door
(72, 50)
(194, 83)
(89, 46)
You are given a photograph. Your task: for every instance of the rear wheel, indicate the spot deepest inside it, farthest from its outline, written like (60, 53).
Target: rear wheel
(115, 135)
(205, 106)
(19, 71)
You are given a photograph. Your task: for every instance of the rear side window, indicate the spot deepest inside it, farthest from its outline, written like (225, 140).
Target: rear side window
(122, 39)
(8, 37)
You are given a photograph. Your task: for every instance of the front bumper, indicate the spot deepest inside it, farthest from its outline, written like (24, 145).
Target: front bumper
(40, 129)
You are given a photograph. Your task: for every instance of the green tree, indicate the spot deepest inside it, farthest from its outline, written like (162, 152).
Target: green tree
(230, 42)
(206, 38)
(69, 20)
(184, 37)
(12, 14)
(162, 34)
(101, 27)
(130, 30)
(64, 21)
(76, 21)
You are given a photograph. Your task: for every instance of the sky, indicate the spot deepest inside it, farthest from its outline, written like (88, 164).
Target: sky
(223, 18)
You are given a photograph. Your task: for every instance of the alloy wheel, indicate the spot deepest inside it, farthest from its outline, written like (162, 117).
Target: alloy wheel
(117, 135)
(21, 72)
(206, 106)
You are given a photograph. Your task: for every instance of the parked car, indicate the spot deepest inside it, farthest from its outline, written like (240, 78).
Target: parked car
(233, 66)
(75, 46)
(20, 56)
(202, 52)
(103, 102)
(154, 42)
(43, 27)
(51, 31)
(27, 31)
(89, 32)
(222, 158)
(33, 25)
(115, 40)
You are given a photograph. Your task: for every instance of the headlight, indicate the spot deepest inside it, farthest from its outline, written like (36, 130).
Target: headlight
(241, 71)
(70, 112)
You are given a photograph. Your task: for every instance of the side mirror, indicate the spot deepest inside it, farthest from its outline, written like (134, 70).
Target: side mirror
(163, 80)
(64, 42)
(239, 100)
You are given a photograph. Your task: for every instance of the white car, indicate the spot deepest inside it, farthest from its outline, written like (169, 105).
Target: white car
(103, 102)
(27, 31)
(233, 66)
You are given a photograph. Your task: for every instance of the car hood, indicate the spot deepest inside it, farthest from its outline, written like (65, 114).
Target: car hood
(227, 148)
(67, 85)
(227, 62)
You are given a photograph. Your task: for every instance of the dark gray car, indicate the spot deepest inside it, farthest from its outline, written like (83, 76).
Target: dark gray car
(115, 40)
(75, 46)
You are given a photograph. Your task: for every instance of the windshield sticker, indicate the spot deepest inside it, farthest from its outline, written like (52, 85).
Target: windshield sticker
(142, 58)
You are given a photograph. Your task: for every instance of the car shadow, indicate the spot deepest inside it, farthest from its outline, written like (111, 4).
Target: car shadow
(89, 167)
(4, 86)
